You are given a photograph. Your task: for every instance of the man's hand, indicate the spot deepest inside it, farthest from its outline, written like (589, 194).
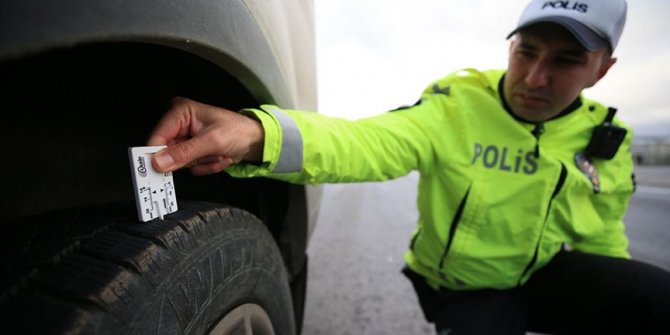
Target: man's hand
(205, 138)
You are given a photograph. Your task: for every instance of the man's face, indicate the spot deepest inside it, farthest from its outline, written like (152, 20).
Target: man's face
(547, 71)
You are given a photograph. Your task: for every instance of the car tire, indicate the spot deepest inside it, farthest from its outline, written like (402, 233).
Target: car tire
(206, 269)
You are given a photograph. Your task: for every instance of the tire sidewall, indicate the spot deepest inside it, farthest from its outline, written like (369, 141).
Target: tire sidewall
(225, 261)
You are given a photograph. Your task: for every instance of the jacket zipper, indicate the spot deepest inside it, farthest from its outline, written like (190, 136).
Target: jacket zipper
(557, 188)
(537, 131)
(454, 224)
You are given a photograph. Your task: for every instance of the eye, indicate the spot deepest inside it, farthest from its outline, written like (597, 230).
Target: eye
(527, 53)
(568, 61)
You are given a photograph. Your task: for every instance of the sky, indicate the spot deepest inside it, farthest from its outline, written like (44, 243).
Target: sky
(377, 55)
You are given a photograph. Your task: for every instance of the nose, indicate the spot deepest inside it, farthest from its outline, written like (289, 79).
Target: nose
(538, 75)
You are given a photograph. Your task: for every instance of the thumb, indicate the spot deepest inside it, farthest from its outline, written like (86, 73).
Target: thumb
(163, 161)
(175, 156)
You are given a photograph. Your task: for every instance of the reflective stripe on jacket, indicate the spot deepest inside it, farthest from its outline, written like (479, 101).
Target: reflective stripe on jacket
(497, 199)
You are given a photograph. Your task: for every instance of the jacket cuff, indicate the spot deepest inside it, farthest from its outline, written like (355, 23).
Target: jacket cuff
(282, 147)
(290, 155)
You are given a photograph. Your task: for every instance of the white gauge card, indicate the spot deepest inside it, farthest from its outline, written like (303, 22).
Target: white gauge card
(154, 191)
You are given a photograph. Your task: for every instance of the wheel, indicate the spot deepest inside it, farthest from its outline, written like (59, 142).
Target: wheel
(205, 269)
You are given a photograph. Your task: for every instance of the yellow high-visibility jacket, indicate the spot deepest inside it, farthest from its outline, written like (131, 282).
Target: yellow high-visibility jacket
(498, 197)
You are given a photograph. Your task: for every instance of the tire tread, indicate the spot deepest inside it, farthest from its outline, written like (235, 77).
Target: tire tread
(100, 267)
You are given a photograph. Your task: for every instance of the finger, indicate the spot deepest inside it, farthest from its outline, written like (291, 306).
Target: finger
(174, 124)
(209, 159)
(181, 154)
(212, 167)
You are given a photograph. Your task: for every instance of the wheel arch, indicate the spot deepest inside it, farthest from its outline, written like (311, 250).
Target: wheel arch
(223, 32)
(198, 36)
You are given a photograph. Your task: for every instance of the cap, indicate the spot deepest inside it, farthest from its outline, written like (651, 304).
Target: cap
(594, 23)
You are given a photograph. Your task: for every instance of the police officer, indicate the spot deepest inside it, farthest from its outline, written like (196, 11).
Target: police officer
(524, 182)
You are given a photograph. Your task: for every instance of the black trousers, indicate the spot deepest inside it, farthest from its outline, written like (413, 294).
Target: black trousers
(576, 293)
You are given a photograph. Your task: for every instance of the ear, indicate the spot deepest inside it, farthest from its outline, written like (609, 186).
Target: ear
(512, 41)
(604, 68)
